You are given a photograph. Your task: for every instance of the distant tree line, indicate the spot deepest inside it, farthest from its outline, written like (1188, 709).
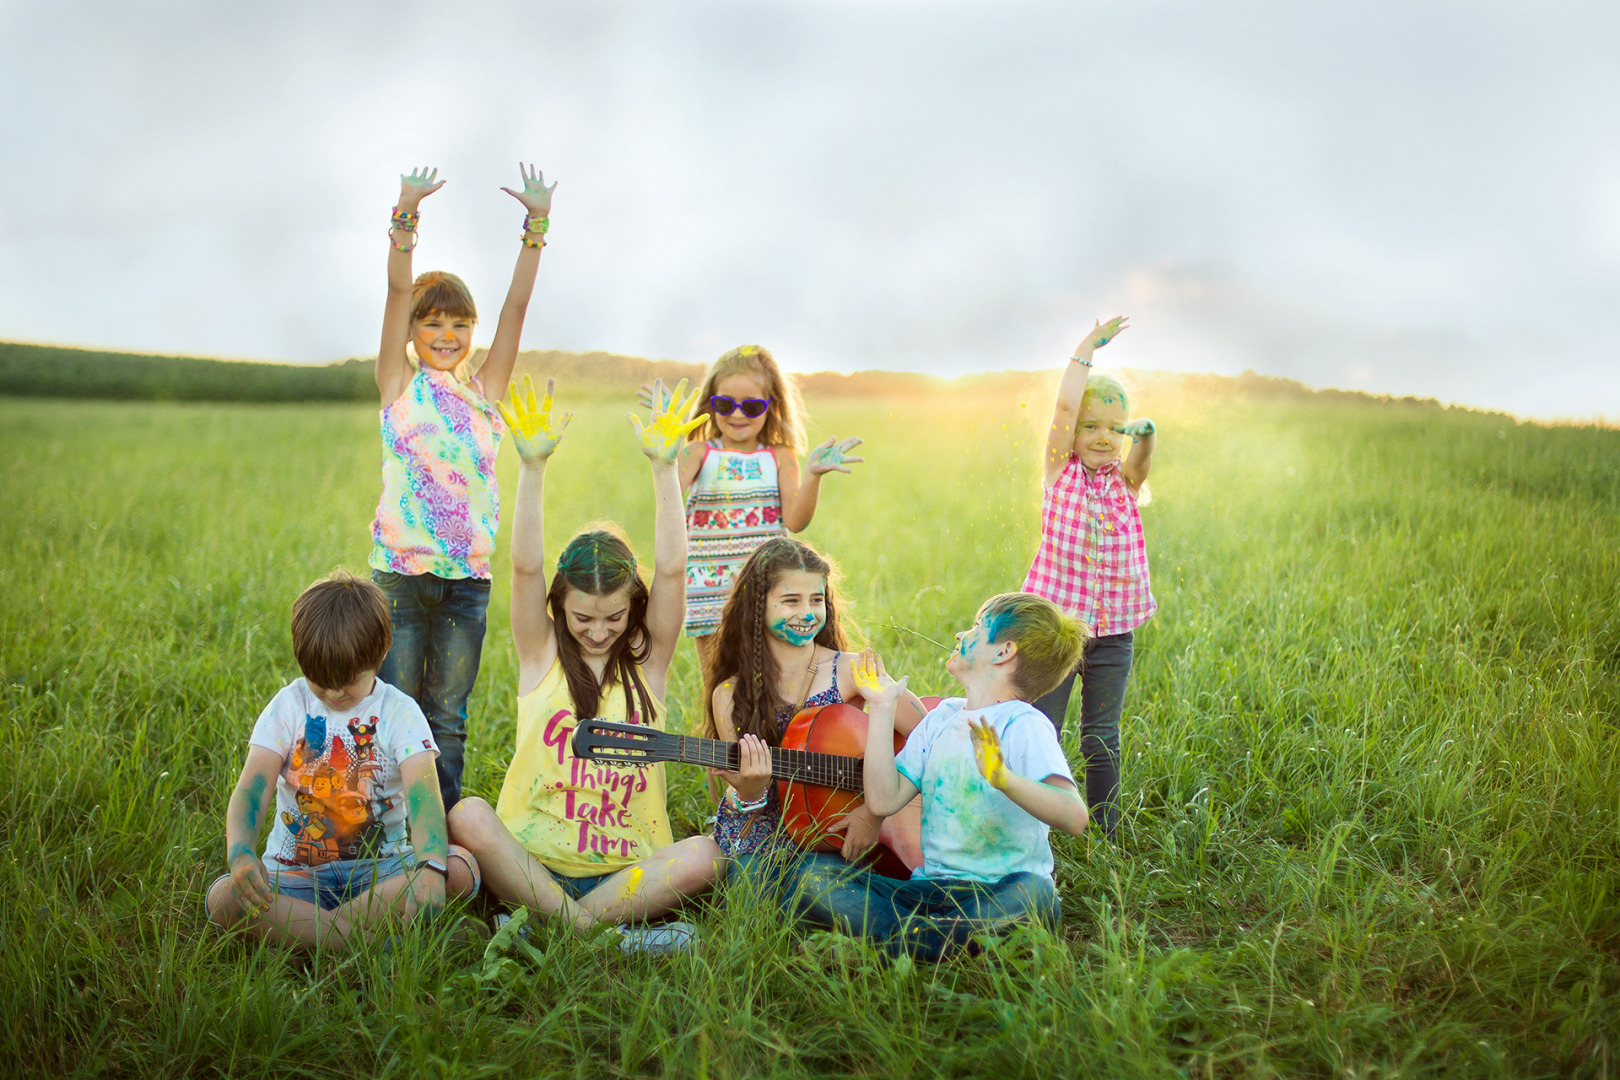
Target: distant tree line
(48, 371)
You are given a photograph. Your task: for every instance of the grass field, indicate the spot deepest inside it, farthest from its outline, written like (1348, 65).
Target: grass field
(1370, 760)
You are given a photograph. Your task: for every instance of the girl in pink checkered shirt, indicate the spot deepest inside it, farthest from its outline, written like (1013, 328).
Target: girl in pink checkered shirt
(1092, 561)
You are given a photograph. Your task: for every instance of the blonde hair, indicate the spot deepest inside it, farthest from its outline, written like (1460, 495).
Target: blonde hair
(1049, 642)
(784, 420)
(1107, 389)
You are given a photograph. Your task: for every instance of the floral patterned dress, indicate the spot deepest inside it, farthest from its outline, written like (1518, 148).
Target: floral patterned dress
(759, 832)
(734, 506)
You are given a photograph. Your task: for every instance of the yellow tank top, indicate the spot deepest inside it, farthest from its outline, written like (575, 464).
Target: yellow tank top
(579, 817)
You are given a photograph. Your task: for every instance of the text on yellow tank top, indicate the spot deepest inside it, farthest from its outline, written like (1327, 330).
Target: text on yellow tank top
(579, 817)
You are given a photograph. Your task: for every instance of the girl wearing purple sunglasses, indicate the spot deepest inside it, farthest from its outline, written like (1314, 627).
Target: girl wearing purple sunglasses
(742, 479)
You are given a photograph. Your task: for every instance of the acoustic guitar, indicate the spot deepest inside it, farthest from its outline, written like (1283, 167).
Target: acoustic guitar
(817, 770)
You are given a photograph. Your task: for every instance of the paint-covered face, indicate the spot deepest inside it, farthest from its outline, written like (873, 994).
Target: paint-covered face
(597, 622)
(796, 607)
(345, 697)
(1095, 439)
(737, 431)
(974, 649)
(442, 341)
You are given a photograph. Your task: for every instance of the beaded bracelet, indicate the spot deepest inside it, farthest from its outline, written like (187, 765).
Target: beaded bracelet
(406, 220)
(403, 247)
(747, 807)
(1082, 363)
(539, 223)
(531, 241)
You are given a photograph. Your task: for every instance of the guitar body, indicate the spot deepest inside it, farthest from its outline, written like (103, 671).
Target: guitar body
(807, 810)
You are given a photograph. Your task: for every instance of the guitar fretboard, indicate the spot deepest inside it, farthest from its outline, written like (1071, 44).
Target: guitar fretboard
(802, 766)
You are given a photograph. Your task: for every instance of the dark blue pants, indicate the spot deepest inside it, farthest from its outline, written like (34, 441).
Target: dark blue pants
(1104, 669)
(923, 918)
(438, 643)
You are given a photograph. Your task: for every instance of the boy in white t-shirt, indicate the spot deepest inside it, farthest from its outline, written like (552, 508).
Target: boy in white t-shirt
(352, 763)
(994, 782)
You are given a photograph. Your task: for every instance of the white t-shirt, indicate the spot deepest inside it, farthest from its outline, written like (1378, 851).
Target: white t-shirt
(338, 795)
(969, 829)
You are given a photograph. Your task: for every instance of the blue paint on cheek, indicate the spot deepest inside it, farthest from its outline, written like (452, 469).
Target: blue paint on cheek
(794, 632)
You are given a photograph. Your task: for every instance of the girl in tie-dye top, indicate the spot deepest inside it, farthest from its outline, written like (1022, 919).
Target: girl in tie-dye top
(1092, 561)
(440, 506)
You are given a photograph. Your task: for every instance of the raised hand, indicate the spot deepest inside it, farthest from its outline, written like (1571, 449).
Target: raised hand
(1136, 428)
(662, 439)
(832, 455)
(533, 435)
(535, 196)
(1101, 334)
(417, 185)
(644, 396)
(987, 753)
(873, 682)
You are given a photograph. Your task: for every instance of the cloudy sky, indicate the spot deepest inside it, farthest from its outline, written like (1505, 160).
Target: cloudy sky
(1413, 197)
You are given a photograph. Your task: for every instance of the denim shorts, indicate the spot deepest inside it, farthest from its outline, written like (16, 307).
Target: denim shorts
(331, 885)
(577, 887)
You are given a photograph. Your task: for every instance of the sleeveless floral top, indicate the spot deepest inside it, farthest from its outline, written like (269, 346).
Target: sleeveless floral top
(759, 832)
(734, 506)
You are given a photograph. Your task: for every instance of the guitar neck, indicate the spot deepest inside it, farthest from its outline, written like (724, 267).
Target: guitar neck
(801, 766)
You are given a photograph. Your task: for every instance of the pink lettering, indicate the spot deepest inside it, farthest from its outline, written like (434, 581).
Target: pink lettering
(557, 736)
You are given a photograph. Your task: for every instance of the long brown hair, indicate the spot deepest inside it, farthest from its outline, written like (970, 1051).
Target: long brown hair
(740, 650)
(597, 563)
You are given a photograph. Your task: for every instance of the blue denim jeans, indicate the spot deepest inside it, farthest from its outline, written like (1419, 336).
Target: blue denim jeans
(1104, 669)
(923, 918)
(438, 643)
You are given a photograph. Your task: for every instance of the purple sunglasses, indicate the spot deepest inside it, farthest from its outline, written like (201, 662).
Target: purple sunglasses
(752, 407)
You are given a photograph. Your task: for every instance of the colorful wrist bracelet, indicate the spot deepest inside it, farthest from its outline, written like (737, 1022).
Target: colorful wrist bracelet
(536, 224)
(531, 241)
(1082, 363)
(748, 807)
(406, 219)
(403, 247)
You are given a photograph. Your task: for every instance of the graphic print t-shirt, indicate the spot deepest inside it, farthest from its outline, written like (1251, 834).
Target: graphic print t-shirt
(969, 829)
(338, 795)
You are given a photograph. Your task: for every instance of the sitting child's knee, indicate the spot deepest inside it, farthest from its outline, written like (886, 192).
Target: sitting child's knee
(221, 905)
(464, 878)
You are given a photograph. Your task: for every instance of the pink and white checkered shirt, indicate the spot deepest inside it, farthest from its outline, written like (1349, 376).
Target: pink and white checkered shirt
(1092, 561)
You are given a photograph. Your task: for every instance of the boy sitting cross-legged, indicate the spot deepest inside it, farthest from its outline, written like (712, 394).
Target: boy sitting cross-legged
(994, 781)
(350, 760)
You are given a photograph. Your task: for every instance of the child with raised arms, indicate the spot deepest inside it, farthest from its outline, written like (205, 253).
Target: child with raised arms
(572, 839)
(1092, 560)
(741, 476)
(351, 761)
(440, 507)
(994, 782)
(780, 649)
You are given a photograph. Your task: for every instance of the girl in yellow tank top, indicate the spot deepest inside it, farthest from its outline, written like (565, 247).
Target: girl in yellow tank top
(567, 838)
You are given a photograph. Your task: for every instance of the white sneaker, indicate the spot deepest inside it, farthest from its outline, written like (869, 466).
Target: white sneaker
(661, 939)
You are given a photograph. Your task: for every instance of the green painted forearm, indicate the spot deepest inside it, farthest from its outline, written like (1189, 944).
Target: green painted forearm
(429, 835)
(243, 816)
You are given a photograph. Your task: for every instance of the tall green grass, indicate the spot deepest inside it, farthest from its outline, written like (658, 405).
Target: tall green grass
(1370, 764)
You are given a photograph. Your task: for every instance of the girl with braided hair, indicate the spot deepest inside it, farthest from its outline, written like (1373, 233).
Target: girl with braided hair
(568, 838)
(780, 648)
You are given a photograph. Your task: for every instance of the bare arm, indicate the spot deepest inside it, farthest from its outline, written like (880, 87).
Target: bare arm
(393, 369)
(535, 438)
(1071, 391)
(753, 775)
(496, 371)
(661, 440)
(693, 455)
(1140, 459)
(424, 810)
(799, 497)
(253, 795)
(886, 789)
(1053, 801)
